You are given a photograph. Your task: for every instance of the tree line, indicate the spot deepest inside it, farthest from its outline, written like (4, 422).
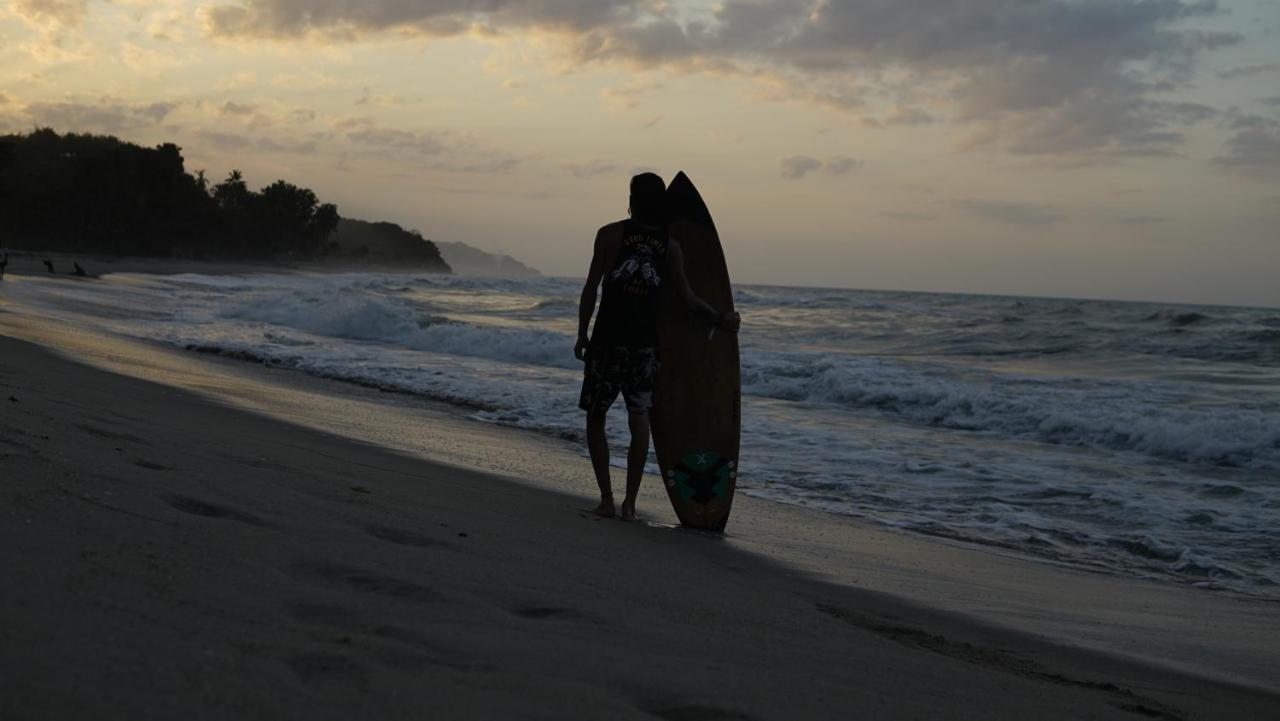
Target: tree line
(89, 193)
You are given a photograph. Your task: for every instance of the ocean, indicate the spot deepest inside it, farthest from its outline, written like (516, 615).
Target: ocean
(1140, 439)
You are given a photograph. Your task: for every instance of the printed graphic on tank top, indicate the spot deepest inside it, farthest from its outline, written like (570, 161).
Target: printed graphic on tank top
(628, 308)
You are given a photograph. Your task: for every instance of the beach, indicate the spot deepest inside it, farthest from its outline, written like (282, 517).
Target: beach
(191, 535)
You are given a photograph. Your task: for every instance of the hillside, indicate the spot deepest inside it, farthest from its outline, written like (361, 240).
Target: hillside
(382, 242)
(466, 260)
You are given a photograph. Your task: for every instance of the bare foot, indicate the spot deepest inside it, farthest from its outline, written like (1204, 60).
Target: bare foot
(605, 509)
(628, 512)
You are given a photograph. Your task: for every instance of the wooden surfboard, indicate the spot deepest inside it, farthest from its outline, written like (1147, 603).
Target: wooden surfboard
(696, 417)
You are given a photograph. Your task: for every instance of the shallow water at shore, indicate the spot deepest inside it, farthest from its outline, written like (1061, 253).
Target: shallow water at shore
(1141, 439)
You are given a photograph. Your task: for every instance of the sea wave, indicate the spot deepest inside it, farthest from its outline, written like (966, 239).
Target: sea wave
(353, 313)
(1138, 438)
(1098, 414)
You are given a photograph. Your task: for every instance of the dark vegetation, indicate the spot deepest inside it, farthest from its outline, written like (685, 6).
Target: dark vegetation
(84, 193)
(98, 194)
(384, 243)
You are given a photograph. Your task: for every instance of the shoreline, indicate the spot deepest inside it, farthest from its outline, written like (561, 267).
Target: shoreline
(28, 262)
(175, 266)
(285, 586)
(1199, 577)
(960, 595)
(459, 411)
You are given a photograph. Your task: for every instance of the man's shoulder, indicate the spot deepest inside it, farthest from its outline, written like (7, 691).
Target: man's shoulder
(614, 228)
(610, 234)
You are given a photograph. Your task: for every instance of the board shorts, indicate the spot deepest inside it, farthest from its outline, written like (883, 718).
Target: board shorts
(618, 369)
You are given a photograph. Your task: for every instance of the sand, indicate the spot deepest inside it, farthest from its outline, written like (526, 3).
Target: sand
(189, 536)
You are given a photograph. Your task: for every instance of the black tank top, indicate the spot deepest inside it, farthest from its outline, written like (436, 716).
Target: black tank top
(628, 307)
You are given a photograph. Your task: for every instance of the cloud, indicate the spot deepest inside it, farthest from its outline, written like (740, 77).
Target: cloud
(1043, 77)
(1272, 101)
(233, 108)
(249, 115)
(798, 166)
(436, 150)
(908, 215)
(1035, 77)
(146, 61)
(1021, 214)
(351, 18)
(366, 133)
(490, 165)
(1254, 149)
(224, 141)
(899, 116)
(69, 13)
(369, 98)
(103, 117)
(627, 96)
(1138, 220)
(591, 169)
(842, 165)
(231, 142)
(1244, 71)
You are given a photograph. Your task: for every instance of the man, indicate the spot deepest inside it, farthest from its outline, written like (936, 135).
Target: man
(632, 258)
(4, 262)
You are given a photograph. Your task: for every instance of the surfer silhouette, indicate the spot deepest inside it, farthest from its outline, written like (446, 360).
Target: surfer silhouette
(633, 258)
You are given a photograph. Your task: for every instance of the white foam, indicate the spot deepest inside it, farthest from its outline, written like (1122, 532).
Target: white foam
(1130, 472)
(1146, 417)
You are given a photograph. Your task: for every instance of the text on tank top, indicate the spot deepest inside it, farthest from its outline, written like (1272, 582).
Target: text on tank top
(628, 308)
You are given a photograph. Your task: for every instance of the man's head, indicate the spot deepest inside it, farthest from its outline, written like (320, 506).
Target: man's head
(649, 199)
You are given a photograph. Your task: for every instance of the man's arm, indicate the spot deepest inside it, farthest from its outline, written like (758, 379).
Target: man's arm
(696, 305)
(587, 303)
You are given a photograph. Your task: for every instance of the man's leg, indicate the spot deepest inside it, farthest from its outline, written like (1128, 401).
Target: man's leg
(598, 447)
(637, 454)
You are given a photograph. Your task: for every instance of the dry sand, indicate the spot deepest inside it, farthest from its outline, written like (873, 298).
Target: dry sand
(193, 537)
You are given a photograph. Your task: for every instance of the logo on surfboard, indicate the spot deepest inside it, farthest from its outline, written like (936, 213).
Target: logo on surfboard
(702, 476)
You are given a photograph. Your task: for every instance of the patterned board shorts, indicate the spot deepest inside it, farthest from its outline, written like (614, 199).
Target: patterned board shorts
(610, 371)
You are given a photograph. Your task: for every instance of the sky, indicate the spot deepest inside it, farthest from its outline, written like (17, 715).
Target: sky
(1125, 149)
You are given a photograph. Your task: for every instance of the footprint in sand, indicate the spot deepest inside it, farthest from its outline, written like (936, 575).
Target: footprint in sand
(538, 613)
(104, 433)
(328, 668)
(322, 614)
(996, 659)
(699, 713)
(209, 510)
(333, 574)
(406, 538)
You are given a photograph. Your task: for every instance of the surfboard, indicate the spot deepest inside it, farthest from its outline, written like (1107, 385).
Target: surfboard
(697, 404)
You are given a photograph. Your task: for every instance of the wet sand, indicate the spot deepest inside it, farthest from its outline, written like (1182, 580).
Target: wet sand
(198, 537)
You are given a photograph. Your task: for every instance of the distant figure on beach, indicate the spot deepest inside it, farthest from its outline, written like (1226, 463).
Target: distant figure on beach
(79, 271)
(632, 259)
(48, 265)
(4, 263)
